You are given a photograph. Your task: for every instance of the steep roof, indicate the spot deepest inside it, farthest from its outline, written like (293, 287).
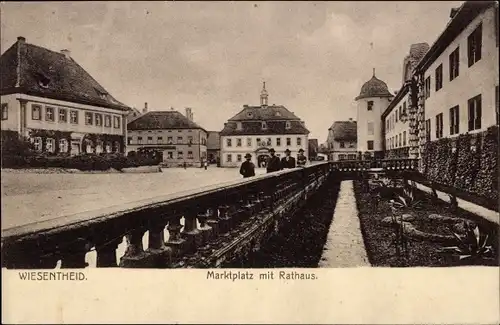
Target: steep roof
(255, 128)
(213, 140)
(162, 120)
(418, 50)
(265, 113)
(50, 74)
(374, 88)
(344, 130)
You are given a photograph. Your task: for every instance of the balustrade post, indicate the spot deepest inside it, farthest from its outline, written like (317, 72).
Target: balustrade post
(73, 256)
(161, 255)
(106, 252)
(205, 229)
(175, 241)
(213, 221)
(134, 254)
(224, 219)
(191, 233)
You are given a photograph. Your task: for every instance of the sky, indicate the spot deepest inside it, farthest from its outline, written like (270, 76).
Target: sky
(213, 56)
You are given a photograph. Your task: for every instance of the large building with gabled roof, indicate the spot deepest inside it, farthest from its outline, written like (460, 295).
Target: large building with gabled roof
(48, 97)
(257, 129)
(342, 140)
(180, 140)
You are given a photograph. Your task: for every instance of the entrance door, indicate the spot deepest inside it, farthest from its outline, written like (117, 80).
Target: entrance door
(262, 160)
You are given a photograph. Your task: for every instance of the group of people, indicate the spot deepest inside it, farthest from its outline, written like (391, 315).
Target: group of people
(274, 163)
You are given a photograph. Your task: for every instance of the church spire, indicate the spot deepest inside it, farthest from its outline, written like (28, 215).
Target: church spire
(264, 95)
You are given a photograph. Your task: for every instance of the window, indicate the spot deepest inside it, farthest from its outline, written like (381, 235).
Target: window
(342, 144)
(341, 157)
(190, 139)
(400, 140)
(278, 142)
(50, 145)
(474, 44)
(36, 112)
(63, 145)
(268, 142)
(49, 114)
(37, 143)
(371, 130)
(170, 140)
(63, 115)
(454, 64)
(370, 145)
(475, 113)
(88, 118)
(238, 142)
(129, 140)
(150, 140)
(249, 142)
(404, 109)
(180, 155)
(439, 126)
(5, 111)
(427, 92)
(179, 140)
(454, 120)
(387, 124)
(229, 143)
(287, 125)
(159, 140)
(73, 117)
(264, 126)
(139, 139)
(396, 141)
(259, 142)
(238, 158)
(107, 121)
(352, 144)
(439, 77)
(170, 155)
(404, 138)
(238, 126)
(190, 155)
(288, 141)
(229, 158)
(370, 105)
(396, 116)
(299, 141)
(116, 122)
(98, 119)
(428, 130)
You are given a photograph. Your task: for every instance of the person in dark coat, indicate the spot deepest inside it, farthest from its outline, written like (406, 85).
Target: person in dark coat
(247, 168)
(273, 163)
(287, 161)
(301, 159)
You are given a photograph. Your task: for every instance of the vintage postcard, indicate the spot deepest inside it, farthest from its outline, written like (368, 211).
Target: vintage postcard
(250, 162)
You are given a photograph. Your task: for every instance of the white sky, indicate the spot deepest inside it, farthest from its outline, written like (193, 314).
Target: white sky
(213, 56)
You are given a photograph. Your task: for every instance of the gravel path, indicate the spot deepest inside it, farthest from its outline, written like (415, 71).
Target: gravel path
(344, 245)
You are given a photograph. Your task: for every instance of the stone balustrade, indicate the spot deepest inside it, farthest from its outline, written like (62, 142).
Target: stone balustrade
(206, 227)
(374, 165)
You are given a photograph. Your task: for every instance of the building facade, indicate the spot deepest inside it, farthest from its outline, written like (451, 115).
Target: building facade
(50, 99)
(313, 147)
(342, 141)
(177, 137)
(257, 129)
(213, 147)
(372, 101)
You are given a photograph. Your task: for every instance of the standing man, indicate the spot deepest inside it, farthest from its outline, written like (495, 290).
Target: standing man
(273, 163)
(247, 168)
(301, 159)
(287, 161)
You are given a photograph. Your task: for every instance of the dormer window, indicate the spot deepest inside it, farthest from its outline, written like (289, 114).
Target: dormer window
(238, 126)
(102, 94)
(278, 114)
(264, 125)
(287, 125)
(249, 114)
(43, 80)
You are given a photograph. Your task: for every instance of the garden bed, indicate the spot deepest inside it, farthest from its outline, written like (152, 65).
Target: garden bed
(379, 235)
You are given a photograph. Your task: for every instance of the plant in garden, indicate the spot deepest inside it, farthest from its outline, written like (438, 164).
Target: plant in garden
(400, 241)
(453, 202)
(407, 200)
(470, 246)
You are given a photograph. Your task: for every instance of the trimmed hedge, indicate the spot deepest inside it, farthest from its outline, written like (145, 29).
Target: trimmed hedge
(471, 171)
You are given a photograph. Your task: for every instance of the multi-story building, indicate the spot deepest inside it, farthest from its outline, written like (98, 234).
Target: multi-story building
(342, 140)
(395, 119)
(180, 140)
(213, 147)
(313, 149)
(373, 100)
(459, 74)
(49, 98)
(256, 129)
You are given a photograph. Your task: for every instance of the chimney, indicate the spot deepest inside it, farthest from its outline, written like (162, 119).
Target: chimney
(350, 119)
(66, 53)
(453, 12)
(189, 113)
(145, 109)
(245, 106)
(21, 39)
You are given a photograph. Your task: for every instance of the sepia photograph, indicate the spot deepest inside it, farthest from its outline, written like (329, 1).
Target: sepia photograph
(264, 140)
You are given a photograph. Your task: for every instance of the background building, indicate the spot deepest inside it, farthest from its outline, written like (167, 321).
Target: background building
(341, 141)
(177, 137)
(48, 97)
(213, 147)
(313, 149)
(256, 129)
(373, 100)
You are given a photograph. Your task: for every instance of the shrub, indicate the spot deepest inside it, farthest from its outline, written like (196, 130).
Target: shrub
(486, 183)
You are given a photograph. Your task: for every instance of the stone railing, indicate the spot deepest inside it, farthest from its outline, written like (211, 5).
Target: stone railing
(202, 228)
(378, 164)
